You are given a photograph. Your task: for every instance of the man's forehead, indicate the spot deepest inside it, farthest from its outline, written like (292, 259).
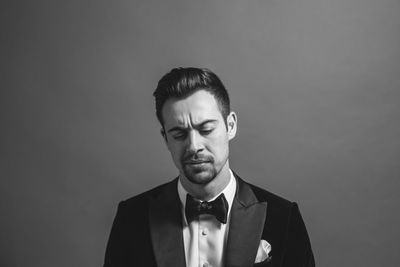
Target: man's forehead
(192, 118)
(196, 108)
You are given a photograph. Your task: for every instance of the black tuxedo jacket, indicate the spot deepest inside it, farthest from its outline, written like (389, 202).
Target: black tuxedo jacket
(147, 230)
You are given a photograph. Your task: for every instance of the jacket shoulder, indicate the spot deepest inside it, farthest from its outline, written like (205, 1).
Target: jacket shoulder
(264, 195)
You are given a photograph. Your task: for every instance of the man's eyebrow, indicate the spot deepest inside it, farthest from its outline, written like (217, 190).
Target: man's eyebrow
(178, 128)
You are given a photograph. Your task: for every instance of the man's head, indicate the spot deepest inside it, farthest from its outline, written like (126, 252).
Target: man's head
(181, 82)
(193, 108)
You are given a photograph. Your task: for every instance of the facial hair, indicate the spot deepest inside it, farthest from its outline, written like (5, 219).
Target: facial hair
(199, 169)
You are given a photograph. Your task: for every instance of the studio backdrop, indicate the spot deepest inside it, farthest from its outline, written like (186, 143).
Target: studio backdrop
(315, 85)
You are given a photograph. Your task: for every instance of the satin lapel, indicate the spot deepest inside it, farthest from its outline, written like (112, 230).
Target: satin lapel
(166, 227)
(246, 227)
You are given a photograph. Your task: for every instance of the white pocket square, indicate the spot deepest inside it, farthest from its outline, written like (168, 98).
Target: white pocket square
(262, 253)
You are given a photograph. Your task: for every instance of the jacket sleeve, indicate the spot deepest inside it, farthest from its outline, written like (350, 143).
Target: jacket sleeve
(298, 250)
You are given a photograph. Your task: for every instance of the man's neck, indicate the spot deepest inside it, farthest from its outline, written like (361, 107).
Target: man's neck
(210, 190)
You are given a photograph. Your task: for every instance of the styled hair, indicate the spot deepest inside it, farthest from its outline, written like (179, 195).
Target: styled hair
(182, 82)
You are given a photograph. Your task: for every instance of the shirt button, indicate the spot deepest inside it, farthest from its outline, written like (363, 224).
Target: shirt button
(206, 264)
(204, 231)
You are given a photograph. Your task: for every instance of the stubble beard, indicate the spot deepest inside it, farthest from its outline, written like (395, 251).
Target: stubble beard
(200, 175)
(203, 175)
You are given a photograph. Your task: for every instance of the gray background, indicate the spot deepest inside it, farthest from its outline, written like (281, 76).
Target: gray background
(315, 85)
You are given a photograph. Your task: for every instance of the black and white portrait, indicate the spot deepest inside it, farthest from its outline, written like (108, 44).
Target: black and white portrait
(199, 133)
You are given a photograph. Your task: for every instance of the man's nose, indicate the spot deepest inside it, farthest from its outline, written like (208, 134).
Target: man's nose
(194, 142)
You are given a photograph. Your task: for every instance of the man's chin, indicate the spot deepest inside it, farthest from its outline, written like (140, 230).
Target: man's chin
(200, 177)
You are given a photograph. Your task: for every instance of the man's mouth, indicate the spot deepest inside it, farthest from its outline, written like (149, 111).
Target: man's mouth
(196, 162)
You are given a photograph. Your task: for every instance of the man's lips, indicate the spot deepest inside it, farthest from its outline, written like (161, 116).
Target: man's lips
(195, 162)
(196, 159)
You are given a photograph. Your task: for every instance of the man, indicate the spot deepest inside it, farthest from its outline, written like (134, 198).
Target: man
(207, 216)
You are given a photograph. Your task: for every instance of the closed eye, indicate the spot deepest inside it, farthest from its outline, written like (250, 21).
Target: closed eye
(206, 131)
(179, 135)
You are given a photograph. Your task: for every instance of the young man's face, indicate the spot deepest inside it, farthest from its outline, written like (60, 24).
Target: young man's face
(197, 136)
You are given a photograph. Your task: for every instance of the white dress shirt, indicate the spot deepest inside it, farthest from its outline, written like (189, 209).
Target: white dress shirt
(205, 239)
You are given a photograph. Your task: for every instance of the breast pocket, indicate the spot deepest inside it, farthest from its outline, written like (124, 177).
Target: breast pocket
(266, 263)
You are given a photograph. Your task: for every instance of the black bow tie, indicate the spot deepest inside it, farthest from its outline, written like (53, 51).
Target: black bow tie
(218, 208)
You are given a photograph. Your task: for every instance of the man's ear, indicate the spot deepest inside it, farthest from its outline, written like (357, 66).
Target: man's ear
(163, 134)
(231, 122)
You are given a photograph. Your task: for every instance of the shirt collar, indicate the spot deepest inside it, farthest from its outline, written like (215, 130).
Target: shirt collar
(229, 192)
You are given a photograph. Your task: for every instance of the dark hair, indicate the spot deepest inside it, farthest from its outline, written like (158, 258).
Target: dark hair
(182, 82)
